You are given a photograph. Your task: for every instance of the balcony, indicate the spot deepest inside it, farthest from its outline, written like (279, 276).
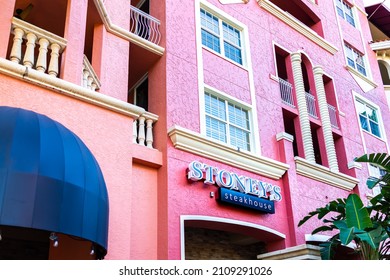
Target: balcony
(333, 116)
(143, 129)
(286, 92)
(24, 50)
(144, 25)
(311, 105)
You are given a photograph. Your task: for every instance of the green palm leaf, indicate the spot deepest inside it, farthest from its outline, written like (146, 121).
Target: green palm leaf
(356, 214)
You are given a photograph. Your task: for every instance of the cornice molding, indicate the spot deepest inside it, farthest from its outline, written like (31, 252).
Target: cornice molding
(192, 142)
(323, 174)
(298, 26)
(35, 77)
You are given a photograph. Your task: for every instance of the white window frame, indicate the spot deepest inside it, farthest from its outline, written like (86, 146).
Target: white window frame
(375, 172)
(347, 11)
(230, 21)
(234, 101)
(353, 55)
(372, 106)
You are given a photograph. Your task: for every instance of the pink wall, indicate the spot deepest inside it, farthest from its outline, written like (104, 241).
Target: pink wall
(189, 198)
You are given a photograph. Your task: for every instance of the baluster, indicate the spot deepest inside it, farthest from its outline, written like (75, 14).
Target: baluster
(90, 80)
(42, 57)
(28, 60)
(85, 77)
(135, 131)
(149, 133)
(141, 131)
(16, 51)
(53, 66)
(93, 86)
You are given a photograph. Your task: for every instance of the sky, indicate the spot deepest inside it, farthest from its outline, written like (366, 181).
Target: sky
(373, 2)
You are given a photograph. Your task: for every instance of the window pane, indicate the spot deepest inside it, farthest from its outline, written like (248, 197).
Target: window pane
(361, 108)
(231, 35)
(375, 129)
(215, 107)
(208, 21)
(215, 129)
(239, 138)
(233, 53)
(350, 19)
(210, 41)
(364, 122)
(238, 116)
(372, 114)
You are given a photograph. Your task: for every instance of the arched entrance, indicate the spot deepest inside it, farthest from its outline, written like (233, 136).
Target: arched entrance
(213, 238)
(53, 198)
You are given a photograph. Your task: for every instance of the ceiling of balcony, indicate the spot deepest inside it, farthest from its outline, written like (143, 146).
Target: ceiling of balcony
(379, 15)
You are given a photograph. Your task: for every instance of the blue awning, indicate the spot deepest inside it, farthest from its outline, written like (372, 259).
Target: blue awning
(49, 179)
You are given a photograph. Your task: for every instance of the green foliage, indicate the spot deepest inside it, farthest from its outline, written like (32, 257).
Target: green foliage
(368, 227)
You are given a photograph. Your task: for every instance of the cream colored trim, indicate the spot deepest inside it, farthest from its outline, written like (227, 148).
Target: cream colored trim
(192, 142)
(323, 174)
(354, 164)
(284, 136)
(184, 218)
(300, 252)
(361, 10)
(69, 89)
(378, 46)
(233, 1)
(123, 33)
(298, 26)
(364, 78)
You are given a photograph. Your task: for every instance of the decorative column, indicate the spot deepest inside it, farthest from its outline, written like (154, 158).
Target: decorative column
(302, 107)
(325, 118)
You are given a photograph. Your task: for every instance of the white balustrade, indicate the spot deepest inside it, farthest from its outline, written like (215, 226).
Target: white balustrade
(144, 25)
(143, 134)
(33, 58)
(333, 116)
(311, 105)
(89, 78)
(286, 92)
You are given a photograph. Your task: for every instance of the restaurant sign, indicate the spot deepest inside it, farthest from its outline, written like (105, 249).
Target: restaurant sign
(235, 189)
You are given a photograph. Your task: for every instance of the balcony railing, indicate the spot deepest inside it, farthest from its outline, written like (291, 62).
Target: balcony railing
(89, 78)
(286, 92)
(311, 105)
(143, 129)
(333, 116)
(144, 25)
(26, 36)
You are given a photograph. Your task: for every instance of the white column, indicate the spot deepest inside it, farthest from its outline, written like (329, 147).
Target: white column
(141, 131)
(149, 133)
(325, 119)
(29, 54)
(16, 52)
(42, 60)
(302, 107)
(54, 57)
(135, 132)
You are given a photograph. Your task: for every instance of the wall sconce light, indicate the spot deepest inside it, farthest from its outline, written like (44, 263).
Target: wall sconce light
(92, 250)
(0, 235)
(53, 237)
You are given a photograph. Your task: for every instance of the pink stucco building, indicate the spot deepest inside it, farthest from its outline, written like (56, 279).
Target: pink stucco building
(201, 129)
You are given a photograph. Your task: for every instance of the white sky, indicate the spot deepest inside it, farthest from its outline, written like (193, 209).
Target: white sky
(373, 2)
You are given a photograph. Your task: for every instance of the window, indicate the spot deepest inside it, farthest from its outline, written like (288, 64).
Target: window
(377, 173)
(227, 122)
(355, 60)
(368, 117)
(221, 37)
(345, 11)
